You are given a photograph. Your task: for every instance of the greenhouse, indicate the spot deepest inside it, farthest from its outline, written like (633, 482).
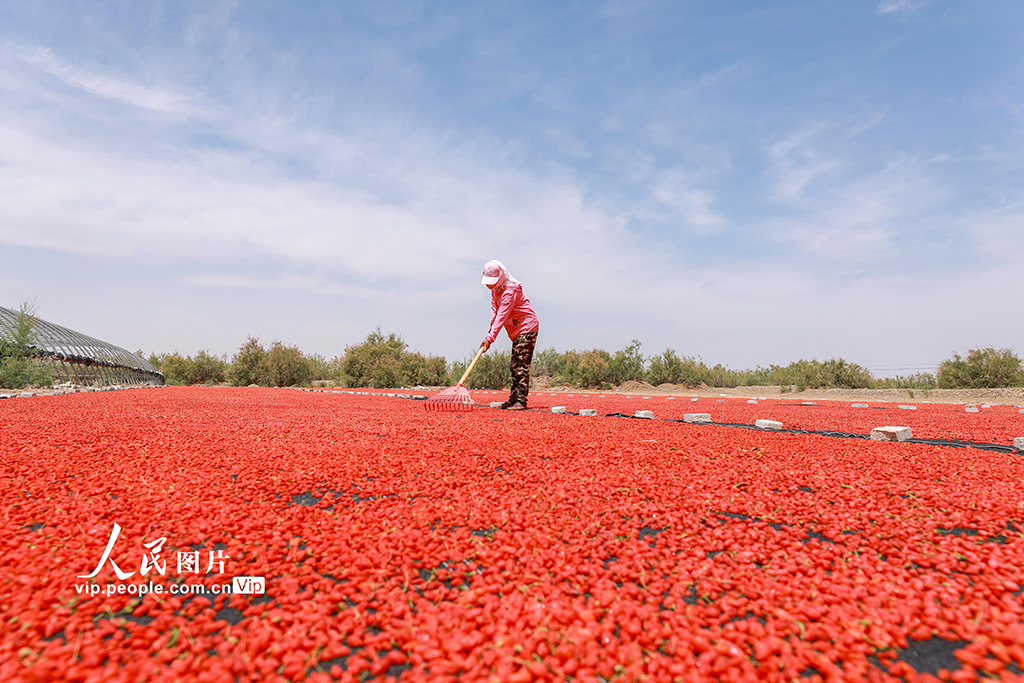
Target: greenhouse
(81, 359)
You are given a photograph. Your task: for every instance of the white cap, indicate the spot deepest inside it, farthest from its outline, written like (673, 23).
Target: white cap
(492, 273)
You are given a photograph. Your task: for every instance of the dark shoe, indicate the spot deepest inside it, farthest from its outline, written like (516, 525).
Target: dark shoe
(507, 404)
(517, 406)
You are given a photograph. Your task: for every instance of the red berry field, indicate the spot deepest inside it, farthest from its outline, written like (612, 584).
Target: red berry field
(243, 534)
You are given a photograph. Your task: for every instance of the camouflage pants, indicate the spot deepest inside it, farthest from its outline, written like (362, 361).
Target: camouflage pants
(522, 356)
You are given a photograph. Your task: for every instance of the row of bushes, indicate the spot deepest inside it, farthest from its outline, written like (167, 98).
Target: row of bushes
(600, 369)
(384, 360)
(278, 366)
(380, 361)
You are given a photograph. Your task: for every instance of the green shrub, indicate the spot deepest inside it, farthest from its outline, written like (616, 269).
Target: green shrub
(285, 366)
(19, 367)
(492, 371)
(417, 369)
(983, 368)
(815, 374)
(586, 369)
(245, 366)
(721, 376)
(324, 369)
(382, 361)
(921, 380)
(204, 368)
(692, 372)
(547, 363)
(668, 368)
(628, 364)
(173, 365)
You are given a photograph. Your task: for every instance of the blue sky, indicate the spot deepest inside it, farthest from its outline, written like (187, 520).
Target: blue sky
(748, 182)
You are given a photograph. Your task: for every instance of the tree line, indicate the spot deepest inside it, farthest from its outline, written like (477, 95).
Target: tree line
(385, 360)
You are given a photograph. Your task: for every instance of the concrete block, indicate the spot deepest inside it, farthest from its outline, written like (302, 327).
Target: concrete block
(986, 405)
(808, 403)
(971, 409)
(646, 414)
(558, 409)
(902, 407)
(754, 401)
(768, 424)
(588, 411)
(859, 405)
(692, 400)
(719, 400)
(26, 394)
(496, 404)
(645, 397)
(891, 434)
(1018, 443)
(670, 398)
(697, 417)
(1022, 411)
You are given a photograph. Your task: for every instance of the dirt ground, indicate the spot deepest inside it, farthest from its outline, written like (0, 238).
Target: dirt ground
(1012, 397)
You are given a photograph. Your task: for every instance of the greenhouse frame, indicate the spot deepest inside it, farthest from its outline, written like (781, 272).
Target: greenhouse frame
(83, 360)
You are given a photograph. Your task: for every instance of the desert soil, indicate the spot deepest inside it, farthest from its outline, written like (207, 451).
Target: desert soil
(1011, 397)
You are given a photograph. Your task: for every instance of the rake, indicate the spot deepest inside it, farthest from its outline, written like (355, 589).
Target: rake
(457, 397)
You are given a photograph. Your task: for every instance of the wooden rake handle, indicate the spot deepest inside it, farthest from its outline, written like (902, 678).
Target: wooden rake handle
(470, 368)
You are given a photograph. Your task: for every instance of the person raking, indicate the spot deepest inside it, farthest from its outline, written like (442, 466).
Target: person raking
(512, 310)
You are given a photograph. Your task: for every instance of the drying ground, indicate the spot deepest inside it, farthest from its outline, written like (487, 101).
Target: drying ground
(400, 543)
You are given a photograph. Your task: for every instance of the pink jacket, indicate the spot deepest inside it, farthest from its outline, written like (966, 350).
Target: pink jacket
(512, 310)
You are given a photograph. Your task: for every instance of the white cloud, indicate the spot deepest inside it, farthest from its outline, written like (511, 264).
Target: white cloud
(840, 212)
(618, 9)
(1000, 239)
(890, 6)
(160, 100)
(798, 161)
(694, 206)
(418, 249)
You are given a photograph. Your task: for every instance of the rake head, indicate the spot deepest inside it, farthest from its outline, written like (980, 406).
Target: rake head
(453, 398)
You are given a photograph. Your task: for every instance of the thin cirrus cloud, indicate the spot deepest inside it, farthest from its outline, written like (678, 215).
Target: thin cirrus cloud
(105, 86)
(844, 209)
(799, 158)
(891, 6)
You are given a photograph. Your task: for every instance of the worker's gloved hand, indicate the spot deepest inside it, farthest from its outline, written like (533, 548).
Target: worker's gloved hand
(485, 345)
